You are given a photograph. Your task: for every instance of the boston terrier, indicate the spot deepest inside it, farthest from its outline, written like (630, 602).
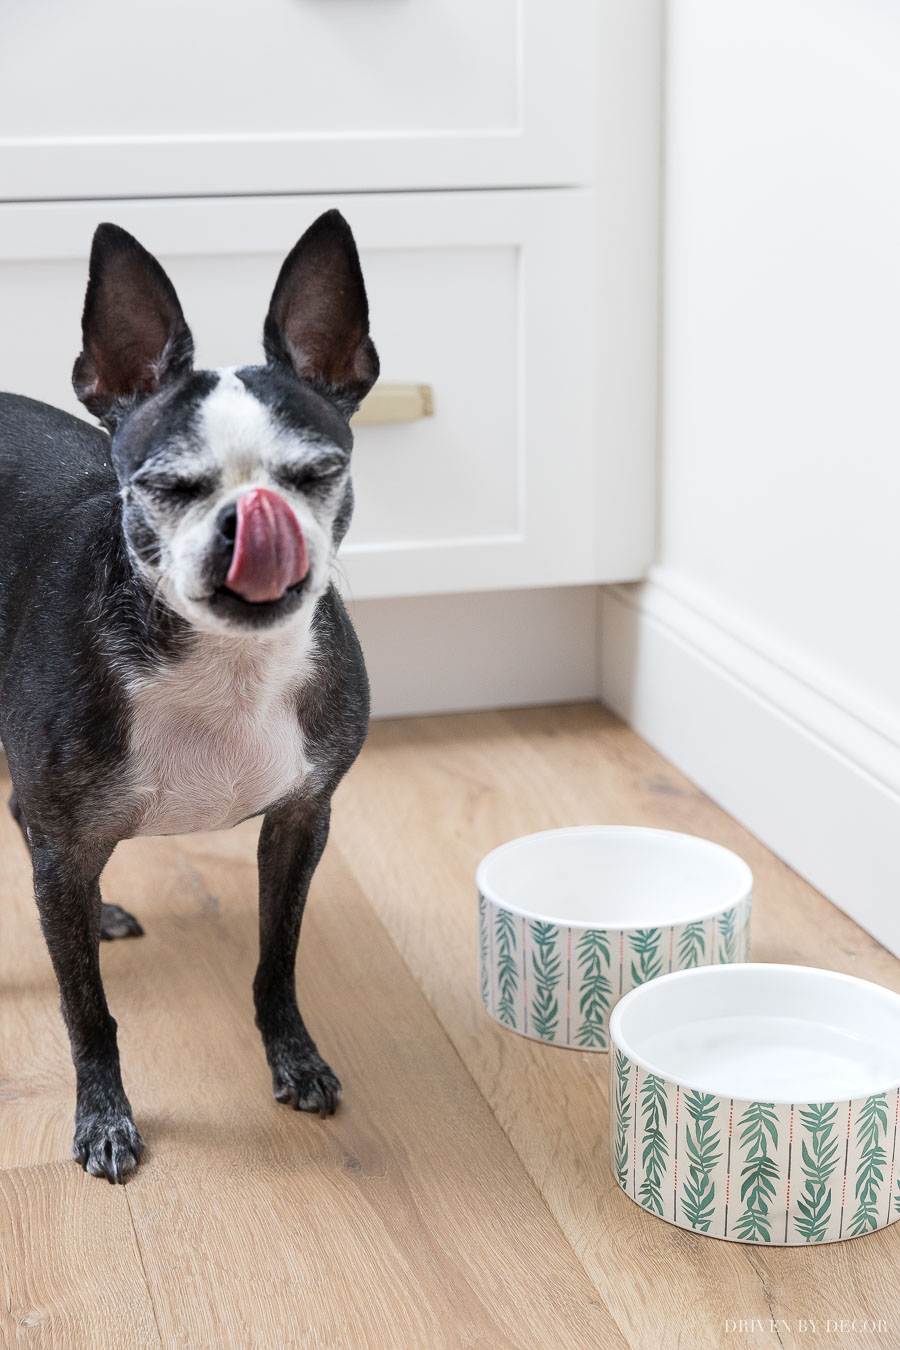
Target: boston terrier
(173, 653)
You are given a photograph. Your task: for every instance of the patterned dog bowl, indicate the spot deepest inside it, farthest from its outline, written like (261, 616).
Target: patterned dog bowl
(570, 920)
(759, 1103)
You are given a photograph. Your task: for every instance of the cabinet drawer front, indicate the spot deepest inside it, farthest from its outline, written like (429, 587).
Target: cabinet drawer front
(297, 96)
(486, 298)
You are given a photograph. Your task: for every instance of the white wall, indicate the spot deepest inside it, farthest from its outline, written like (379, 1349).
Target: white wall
(764, 655)
(781, 463)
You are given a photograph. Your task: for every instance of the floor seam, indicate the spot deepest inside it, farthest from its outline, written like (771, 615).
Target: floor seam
(140, 1252)
(469, 1074)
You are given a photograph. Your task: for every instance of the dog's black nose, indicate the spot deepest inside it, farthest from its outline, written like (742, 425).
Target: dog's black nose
(226, 524)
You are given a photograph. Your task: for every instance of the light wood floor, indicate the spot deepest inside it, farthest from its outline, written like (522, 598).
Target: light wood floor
(462, 1195)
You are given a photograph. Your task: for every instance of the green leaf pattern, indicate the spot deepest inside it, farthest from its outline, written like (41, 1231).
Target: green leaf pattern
(507, 966)
(704, 1153)
(692, 946)
(759, 1176)
(547, 968)
(820, 1155)
(560, 984)
(595, 987)
(726, 926)
(484, 966)
(646, 962)
(744, 953)
(655, 1147)
(757, 1172)
(871, 1129)
(622, 1116)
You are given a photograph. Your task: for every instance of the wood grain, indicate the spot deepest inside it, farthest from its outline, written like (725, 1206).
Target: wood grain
(70, 1269)
(452, 788)
(407, 1220)
(462, 1196)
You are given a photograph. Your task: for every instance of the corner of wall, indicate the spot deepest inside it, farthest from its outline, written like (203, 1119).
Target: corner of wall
(816, 780)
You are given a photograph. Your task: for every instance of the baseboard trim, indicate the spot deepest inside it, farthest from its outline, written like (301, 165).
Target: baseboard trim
(490, 649)
(810, 768)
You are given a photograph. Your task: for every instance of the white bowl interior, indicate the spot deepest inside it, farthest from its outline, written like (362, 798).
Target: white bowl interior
(764, 1032)
(610, 877)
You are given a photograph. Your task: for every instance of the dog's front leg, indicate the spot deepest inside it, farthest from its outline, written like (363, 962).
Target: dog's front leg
(67, 888)
(290, 846)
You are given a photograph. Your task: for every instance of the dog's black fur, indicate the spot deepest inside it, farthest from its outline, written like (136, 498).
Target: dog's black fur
(84, 611)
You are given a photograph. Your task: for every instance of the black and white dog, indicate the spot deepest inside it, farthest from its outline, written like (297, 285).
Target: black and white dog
(173, 653)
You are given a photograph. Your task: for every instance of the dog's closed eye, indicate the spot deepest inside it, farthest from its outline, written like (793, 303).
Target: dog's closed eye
(310, 476)
(173, 486)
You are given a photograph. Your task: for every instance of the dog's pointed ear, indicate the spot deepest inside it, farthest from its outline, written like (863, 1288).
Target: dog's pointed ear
(318, 320)
(134, 333)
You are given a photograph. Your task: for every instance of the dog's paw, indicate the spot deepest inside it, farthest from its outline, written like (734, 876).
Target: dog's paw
(107, 1146)
(116, 922)
(308, 1087)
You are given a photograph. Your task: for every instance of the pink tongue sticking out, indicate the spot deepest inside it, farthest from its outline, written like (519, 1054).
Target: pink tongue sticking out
(269, 549)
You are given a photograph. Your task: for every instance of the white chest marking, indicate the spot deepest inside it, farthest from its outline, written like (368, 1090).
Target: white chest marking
(215, 737)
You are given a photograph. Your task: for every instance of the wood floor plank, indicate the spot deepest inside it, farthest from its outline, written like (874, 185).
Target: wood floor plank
(792, 922)
(405, 1221)
(70, 1269)
(444, 791)
(35, 1063)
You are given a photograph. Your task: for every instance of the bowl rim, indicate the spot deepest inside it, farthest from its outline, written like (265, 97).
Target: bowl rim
(617, 1042)
(742, 892)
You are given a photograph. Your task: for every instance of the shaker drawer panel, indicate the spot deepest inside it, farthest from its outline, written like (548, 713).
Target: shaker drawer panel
(302, 64)
(447, 316)
(294, 96)
(486, 298)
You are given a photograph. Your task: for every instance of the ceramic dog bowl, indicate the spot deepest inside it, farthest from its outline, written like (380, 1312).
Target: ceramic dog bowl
(570, 920)
(759, 1103)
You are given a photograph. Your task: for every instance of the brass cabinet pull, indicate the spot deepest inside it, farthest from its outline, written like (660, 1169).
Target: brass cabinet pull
(395, 403)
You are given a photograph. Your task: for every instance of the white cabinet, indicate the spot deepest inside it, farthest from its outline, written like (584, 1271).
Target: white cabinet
(486, 297)
(294, 96)
(520, 285)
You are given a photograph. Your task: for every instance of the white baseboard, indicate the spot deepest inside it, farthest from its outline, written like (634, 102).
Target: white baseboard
(490, 649)
(810, 768)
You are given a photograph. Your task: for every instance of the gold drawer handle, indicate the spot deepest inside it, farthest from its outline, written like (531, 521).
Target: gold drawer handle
(395, 403)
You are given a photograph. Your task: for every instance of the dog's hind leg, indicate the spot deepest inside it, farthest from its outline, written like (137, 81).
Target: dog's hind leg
(115, 922)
